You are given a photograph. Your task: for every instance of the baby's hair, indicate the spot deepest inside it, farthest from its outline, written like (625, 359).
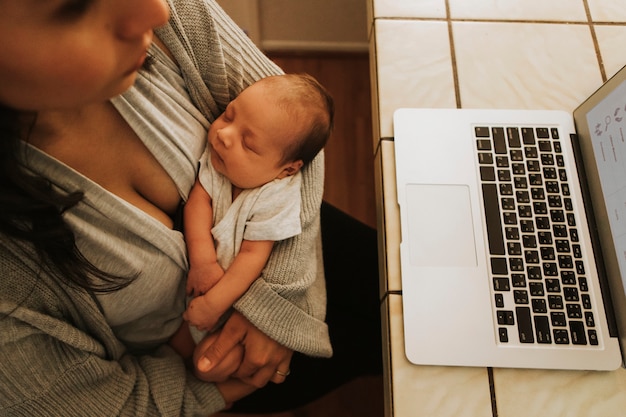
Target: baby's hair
(309, 102)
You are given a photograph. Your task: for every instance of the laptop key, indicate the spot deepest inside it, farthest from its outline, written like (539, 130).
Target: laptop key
(514, 139)
(502, 161)
(558, 319)
(539, 306)
(487, 173)
(528, 136)
(574, 311)
(503, 334)
(556, 303)
(545, 146)
(554, 132)
(492, 214)
(561, 337)
(499, 142)
(520, 296)
(499, 300)
(543, 133)
(577, 329)
(501, 284)
(524, 325)
(542, 328)
(518, 280)
(499, 266)
(485, 158)
(505, 317)
(481, 132)
(483, 144)
(553, 285)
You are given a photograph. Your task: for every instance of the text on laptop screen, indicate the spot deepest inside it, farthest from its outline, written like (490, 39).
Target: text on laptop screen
(607, 126)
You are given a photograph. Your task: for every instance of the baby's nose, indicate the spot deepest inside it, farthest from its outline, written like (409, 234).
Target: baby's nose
(224, 137)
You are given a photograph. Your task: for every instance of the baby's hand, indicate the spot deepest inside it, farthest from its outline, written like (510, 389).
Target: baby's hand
(202, 278)
(201, 313)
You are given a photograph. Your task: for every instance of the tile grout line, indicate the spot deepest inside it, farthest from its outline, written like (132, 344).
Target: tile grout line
(492, 391)
(455, 72)
(594, 38)
(448, 18)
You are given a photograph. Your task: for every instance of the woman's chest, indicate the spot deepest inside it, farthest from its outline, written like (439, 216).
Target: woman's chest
(104, 148)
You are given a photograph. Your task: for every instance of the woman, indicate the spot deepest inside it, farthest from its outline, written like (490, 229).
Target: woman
(92, 265)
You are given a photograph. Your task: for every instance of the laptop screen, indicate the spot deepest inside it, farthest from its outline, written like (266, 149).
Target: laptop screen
(601, 127)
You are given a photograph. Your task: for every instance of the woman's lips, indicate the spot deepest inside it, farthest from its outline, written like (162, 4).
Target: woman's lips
(138, 64)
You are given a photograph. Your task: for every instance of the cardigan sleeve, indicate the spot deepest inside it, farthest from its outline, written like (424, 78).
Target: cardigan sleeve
(218, 61)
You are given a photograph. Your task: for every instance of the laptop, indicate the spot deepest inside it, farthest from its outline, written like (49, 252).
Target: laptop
(513, 245)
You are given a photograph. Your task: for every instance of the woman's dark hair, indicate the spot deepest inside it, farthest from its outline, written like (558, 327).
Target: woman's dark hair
(31, 212)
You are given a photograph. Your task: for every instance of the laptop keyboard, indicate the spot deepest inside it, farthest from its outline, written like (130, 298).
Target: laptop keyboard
(540, 290)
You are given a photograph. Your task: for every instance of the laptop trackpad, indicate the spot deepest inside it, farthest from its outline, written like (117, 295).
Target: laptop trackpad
(440, 226)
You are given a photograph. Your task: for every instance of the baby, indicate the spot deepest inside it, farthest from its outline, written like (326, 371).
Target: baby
(247, 195)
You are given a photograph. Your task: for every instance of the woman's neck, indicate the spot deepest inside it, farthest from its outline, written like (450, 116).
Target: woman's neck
(50, 128)
(235, 191)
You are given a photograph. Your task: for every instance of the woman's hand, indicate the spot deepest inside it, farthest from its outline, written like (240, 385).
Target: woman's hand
(224, 368)
(182, 342)
(233, 390)
(263, 359)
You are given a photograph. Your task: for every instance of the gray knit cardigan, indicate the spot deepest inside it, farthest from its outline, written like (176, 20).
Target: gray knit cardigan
(59, 356)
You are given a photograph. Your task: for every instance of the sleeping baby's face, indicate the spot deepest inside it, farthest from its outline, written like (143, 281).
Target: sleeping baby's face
(249, 139)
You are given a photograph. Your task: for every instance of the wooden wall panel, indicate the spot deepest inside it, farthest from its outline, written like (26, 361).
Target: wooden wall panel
(349, 181)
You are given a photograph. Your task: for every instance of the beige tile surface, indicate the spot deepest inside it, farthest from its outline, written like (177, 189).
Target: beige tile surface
(414, 67)
(410, 8)
(542, 10)
(612, 43)
(433, 391)
(607, 10)
(536, 393)
(524, 65)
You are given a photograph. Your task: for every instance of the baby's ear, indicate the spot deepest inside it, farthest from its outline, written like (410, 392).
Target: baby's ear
(291, 169)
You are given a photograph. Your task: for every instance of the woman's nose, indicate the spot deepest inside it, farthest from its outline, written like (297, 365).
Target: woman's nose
(136, 18)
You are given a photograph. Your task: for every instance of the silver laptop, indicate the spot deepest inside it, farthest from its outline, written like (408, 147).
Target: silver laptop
(513, 249)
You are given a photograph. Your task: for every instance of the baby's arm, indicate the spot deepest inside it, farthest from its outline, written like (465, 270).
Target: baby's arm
(205, 311)
(204, 271)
